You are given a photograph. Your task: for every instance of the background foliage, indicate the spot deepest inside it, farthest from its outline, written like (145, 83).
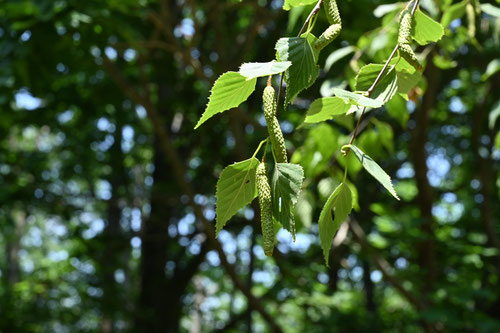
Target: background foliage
(107, 213)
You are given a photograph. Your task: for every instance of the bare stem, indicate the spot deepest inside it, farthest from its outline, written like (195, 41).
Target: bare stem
(311, 14)
(379, 77)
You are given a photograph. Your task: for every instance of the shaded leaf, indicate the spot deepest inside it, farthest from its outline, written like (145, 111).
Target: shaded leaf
(285, 189)
(326, 108)
(339, 204)
(303, 71)
(387, 86)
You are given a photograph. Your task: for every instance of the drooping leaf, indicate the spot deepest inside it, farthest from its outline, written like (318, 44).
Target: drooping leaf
(326, 108)
(229, 91)
(387, 86)
(339, 204)
(303, 71)
(289, 4)
(285, 189)
(425, 29)
(236, 188)
(356, 99)
(258, 69)
(374, 169)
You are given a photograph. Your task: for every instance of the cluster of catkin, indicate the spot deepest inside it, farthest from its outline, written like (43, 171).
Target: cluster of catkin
(263, 187)
(273, 126)
(333, 17)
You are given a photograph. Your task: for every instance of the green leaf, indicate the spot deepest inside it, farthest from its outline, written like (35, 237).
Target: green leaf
(229, 91)
(490, 9)
(425, 29)
(407, 81)
(303, 71)
(304, 208)
(492, 68)
(340, 205)
(497, 140)
(444, 62)
(374, 169)
(285, 189)
(382, 10)
(258, 69)
(494, 114)
(337, 55)
(453, 12)
(387, 86)
(296, 3)
(236, 188)
(396, 108)
(356, 99)
(326, 108)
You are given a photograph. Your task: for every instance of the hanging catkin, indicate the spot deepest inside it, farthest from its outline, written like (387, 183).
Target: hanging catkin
(404, 38)
(273, 126)
(333, 17)
(266, 209)
(471, 20)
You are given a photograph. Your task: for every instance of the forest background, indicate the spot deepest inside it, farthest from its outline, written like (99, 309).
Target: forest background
(107, 193)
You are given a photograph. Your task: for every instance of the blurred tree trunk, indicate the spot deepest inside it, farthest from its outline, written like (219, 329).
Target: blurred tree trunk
(369, 287)
(113, 241)
(425, 198)
(13, 246)
(152, 304)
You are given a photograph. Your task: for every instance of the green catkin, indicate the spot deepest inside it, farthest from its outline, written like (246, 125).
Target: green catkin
(404, 38)
(266, 210)
(471, 20)
(477, 6)
(328, 36)
(333, 17)
(332, 12)
(273, 126)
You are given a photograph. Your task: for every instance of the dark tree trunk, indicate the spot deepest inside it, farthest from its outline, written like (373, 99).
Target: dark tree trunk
(153, 305)
(369, 288)
(113, 241)
(425, 198)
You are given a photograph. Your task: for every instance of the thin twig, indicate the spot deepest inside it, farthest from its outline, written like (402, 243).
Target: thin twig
(379, 77)
(311, 14)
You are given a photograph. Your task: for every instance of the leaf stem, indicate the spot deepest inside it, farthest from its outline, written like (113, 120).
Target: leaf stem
(345, 171)
(260, 146)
